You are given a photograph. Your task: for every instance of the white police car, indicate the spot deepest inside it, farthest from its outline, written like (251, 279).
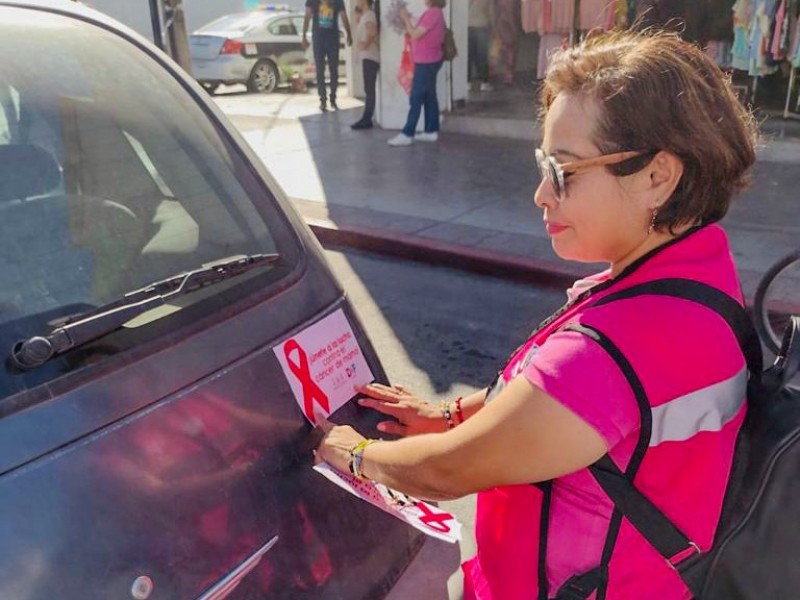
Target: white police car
(259, 48)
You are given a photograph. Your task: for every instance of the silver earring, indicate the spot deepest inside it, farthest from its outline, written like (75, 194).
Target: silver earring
(652, 222)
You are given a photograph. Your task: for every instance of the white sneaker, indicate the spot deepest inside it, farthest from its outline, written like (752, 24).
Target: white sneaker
(487, 87)
(401, 139)
(428, 137)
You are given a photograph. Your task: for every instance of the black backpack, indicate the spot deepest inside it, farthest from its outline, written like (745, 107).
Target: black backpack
(449, 50)
(757, 542)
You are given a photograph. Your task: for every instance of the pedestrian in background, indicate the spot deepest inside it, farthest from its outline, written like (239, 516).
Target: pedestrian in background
(481, 17)
(367, 36)
(427, 36)
(644, 146)
(324, 14)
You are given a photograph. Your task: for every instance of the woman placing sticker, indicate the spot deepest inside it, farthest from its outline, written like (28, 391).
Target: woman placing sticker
(644, 146)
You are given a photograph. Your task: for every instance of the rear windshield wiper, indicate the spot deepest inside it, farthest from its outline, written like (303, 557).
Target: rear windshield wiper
(85, 327)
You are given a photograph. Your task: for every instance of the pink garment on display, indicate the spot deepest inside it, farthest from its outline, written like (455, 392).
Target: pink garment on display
(547, 44)
(688, 461)
(597, 14)
(775, 48)
(428, 48)
(532, 19)
(561, 16)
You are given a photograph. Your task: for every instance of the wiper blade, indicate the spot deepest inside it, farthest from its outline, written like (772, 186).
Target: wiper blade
(81, 329)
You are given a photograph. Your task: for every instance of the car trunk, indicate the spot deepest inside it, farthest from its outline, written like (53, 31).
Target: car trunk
(206, 46)
(179, 467)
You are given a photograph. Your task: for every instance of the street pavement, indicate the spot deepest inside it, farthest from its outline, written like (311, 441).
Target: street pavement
(467, 200)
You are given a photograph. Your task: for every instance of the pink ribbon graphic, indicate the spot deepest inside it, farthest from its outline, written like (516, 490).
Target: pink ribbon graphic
(301, 370)
(435, 521)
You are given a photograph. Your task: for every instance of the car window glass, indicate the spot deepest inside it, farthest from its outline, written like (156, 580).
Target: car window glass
(282, 27)
(112, 177)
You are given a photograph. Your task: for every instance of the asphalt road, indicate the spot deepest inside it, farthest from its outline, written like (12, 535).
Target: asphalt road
(442, 333)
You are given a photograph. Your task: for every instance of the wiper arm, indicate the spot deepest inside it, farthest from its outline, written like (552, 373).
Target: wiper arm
(78, 330)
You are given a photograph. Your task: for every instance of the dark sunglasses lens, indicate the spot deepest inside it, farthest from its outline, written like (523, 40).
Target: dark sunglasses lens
(552, 176)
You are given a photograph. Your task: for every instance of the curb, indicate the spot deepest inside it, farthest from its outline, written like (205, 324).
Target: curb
(434, 252)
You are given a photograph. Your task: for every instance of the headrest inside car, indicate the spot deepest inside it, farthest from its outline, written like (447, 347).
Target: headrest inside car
(26, 170)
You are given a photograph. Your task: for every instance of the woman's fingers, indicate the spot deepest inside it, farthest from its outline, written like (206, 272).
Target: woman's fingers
(383, 392)
(387, 408)
(322, 422)
(393, 427)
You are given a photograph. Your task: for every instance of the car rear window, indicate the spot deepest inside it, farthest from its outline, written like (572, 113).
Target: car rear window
(239, 23)
(112, 177)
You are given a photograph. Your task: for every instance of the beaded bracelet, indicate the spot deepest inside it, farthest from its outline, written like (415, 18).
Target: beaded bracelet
(459, 411)
(357, 458)
(447, 415)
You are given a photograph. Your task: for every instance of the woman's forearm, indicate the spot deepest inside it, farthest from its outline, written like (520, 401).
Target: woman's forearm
(419, 466)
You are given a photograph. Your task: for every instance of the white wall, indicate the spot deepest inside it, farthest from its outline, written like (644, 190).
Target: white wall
(459, 13)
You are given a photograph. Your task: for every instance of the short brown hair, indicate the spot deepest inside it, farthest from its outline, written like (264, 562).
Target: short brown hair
(657, 92)
(438, 3)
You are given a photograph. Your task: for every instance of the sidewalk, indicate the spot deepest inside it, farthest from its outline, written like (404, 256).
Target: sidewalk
(467, 201)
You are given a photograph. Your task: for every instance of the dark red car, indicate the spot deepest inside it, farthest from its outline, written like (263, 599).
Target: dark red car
(151, 275)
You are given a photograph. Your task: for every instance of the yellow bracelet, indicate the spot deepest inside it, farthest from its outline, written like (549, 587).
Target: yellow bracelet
(357, 457)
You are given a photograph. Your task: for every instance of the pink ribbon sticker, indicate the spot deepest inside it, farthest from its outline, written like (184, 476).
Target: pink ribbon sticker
(302, 370)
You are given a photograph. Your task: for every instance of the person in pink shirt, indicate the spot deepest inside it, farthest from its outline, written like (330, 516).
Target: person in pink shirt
(644, 146)
(427, 36)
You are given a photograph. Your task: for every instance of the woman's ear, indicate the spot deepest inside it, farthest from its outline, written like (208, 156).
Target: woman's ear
(665, 171)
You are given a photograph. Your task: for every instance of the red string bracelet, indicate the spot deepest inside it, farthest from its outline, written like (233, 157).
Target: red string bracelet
(459, 412)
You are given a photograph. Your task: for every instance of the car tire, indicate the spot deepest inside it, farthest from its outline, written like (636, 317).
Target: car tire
(210, 86)
(264, 77)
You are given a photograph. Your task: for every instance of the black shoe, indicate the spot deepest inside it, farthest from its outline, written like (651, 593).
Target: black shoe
(361, 125)
(323, 106)
(333, 103)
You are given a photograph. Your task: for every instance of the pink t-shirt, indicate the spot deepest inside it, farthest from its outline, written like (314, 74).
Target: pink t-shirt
(428, 48)
(695, 378)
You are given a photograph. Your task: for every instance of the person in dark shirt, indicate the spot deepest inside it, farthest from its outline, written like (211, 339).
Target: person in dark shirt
(325, 36)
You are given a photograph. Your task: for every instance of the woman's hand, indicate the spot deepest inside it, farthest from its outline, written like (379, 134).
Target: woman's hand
(414, 415)
(335, 447)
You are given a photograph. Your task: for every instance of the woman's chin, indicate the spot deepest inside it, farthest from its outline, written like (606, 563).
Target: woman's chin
(569, 252)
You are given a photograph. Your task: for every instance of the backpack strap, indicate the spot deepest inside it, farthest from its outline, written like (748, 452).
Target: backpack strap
(646, 517)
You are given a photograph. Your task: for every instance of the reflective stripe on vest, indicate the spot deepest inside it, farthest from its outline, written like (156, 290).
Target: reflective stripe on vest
(708, 409)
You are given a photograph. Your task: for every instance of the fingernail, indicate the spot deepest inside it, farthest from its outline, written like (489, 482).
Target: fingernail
(381, 427)
(361, 401)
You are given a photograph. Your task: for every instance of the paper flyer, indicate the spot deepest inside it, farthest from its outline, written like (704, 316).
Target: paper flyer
(324, 364)
(429, 519)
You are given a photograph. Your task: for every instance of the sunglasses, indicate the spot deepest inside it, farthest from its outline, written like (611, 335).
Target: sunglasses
(556, 173)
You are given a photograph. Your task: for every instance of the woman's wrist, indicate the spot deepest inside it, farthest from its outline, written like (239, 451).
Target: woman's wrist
(356, 460)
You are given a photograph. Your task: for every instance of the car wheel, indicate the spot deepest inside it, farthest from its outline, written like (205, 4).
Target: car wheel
(263, 77)
(210, 86)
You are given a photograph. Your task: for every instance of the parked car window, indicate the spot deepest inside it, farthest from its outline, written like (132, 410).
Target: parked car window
(112, 177)
(298, 24)
(282, 27)
(241, 22)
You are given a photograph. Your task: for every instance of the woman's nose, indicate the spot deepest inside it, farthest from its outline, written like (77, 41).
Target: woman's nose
(545, 195)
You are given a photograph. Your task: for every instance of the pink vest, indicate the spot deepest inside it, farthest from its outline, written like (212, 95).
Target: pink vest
(694, 376)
